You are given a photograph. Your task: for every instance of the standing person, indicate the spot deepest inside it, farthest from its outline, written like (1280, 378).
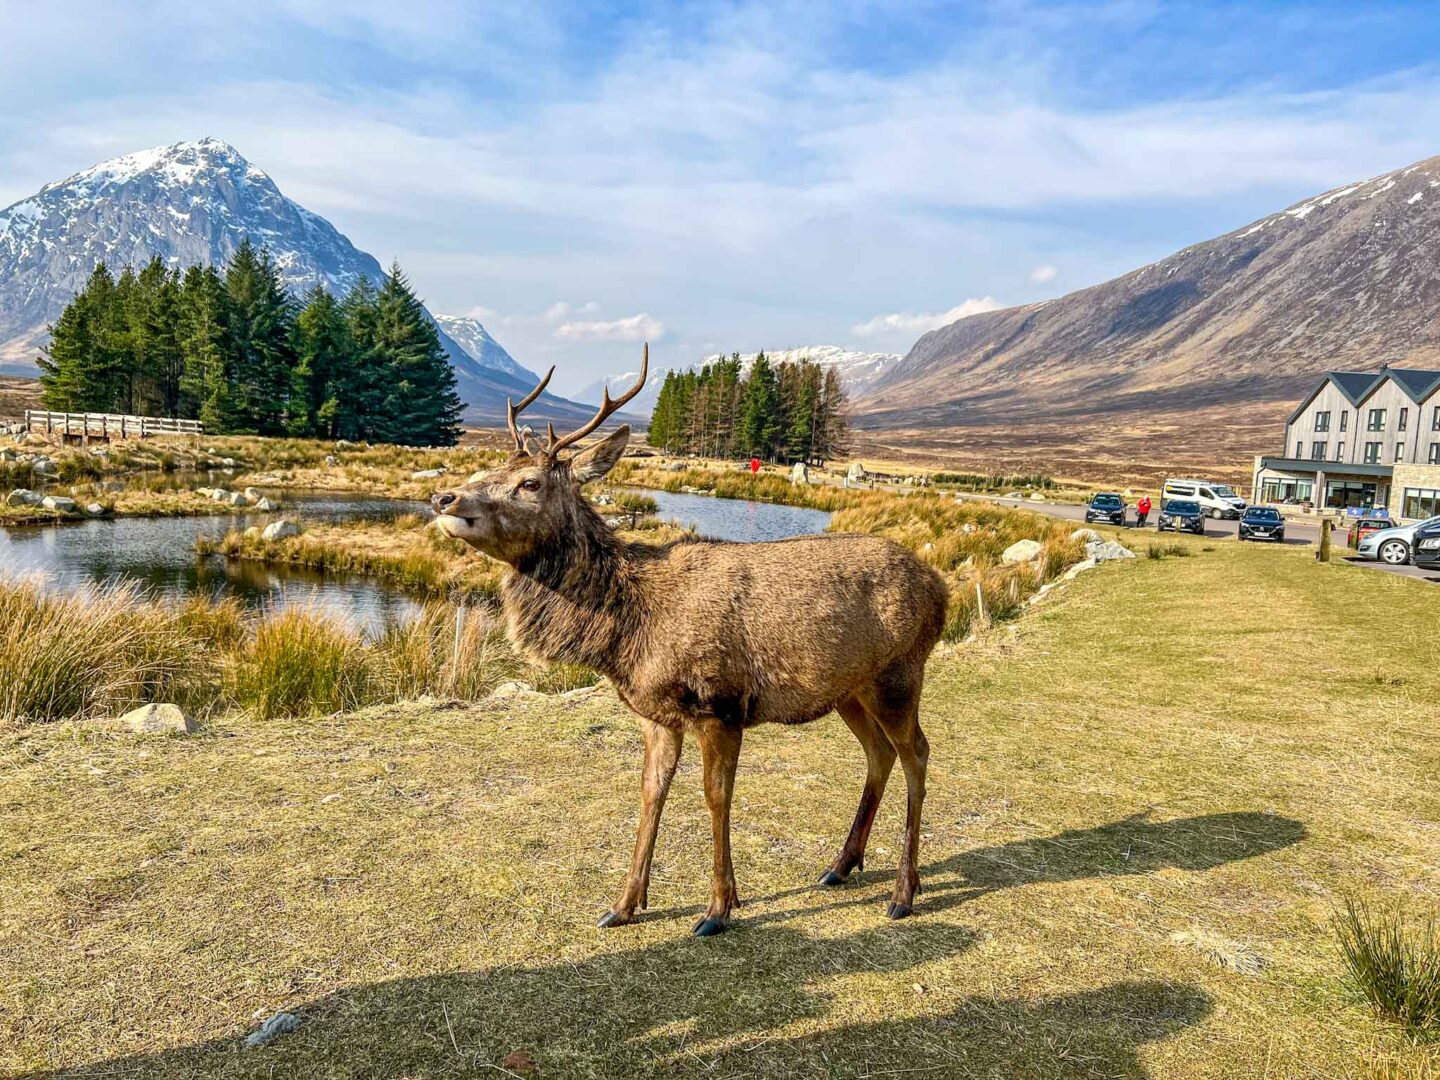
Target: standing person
(1142, 511)
(754, 466)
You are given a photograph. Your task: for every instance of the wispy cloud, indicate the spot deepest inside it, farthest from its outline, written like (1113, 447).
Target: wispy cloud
(910, 324)
(631, 328)
(1043, 274)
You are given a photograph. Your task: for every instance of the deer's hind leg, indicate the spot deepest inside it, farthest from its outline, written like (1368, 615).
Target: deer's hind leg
(662, 754)
(879, 759)
(719, 753)
(893, 699)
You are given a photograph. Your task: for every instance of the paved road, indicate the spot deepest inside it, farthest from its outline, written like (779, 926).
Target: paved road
(1301, 533)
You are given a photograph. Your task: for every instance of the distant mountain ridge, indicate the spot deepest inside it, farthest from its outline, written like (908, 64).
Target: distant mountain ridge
(1346, 279)
(859, 371)
(193, 203)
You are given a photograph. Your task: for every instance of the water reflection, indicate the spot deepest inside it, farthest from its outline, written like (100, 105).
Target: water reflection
(738, 519)
(159, 553)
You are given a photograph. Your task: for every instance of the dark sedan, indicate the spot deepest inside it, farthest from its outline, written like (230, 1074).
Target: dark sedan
(1262, 523)
(1427, 547)
(1181, 515)
(1107, 508)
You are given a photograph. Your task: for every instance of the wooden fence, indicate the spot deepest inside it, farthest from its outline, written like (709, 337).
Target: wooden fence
(108, 425)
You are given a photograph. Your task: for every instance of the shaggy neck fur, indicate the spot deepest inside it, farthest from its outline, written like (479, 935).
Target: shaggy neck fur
(575, 599)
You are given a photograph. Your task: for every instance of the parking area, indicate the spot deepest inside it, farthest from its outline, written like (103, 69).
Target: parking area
(1296, 532)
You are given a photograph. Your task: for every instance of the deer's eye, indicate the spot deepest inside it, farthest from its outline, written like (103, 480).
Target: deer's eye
(530, 484)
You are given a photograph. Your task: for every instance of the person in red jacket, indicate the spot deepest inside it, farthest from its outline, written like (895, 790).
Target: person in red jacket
(1142, 511)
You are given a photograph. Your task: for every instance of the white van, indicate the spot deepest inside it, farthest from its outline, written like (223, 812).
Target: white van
(1217, 500)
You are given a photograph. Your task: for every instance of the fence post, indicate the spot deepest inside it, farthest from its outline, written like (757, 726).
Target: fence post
(1323, 555)
(455, 652)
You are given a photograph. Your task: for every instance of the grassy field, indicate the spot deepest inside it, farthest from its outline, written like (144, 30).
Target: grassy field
(1146, 800)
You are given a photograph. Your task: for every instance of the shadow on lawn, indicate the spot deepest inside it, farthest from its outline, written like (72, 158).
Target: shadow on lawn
(663, 1008)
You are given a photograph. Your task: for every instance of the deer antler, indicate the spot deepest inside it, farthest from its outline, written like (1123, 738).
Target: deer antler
(512, 410)
(607, 409)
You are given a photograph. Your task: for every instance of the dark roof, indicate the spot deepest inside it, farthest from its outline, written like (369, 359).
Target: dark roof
(1354, 384)
(1416, 382)
(1329, 468)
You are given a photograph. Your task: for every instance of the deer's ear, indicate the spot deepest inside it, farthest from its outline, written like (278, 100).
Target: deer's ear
(595, 461)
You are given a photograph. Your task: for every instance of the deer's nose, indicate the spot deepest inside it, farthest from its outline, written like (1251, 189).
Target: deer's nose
(443, 500)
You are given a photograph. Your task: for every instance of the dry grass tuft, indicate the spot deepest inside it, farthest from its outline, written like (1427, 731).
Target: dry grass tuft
(1221, 951)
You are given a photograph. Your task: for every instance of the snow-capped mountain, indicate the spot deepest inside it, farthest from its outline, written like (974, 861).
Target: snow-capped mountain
(858, 372)
(470, 335)
(193, 203)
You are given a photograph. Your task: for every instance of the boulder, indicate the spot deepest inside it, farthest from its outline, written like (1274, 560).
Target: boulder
(281, 530)
(800, 473)
(1105, 550)
(219, 494)
(1035, 496)
(155, 719)
(61, 504)
(44, 465)
(23, 497)
(968, 528)
(1088, 535)
(1022, 551)
(344, 444)
(331, 461)
(252, 494)
(856, 473)
(235, 498)
(252, 533)
(94, 509)
(427, 474)
(514, 688)
(266, 505)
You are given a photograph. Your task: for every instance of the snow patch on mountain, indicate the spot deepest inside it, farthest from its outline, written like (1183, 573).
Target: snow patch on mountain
(471, 335)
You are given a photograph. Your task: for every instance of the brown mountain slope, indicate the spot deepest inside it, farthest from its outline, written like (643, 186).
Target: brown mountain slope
(1347, 279)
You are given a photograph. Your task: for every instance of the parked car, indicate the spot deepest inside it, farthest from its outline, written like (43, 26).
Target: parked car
(1392, 545)
(1261, 523)
(1366, 526)
(1427, 547)
(1181, 515)
(1217, 500)
(1106, 507)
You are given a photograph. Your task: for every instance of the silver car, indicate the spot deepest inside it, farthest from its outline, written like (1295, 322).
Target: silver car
(1392, 545)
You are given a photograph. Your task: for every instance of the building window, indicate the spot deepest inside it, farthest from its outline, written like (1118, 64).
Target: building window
(1344, 417)
(1399, 451)
(1435, 453)
(1317, 451)
(1421, 503)
(1376, 420)
(1299, 449)
(1435, 419)
(1372, 453)
(1322, 421)
(1340, 450)
(1282, 489)
(1340, 494)
(1404, 420)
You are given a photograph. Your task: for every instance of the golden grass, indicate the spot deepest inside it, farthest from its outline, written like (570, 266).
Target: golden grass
(1175, 746)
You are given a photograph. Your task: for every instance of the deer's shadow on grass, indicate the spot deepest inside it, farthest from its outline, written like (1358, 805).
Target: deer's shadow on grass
(1130, 846)
(721, 1007)
(700, 1008)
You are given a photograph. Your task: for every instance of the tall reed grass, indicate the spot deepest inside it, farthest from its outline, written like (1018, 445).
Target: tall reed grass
(99, 652)
(1394, 963)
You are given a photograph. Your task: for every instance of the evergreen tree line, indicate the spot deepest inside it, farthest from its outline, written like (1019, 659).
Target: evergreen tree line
(232, 348)
(794, 411)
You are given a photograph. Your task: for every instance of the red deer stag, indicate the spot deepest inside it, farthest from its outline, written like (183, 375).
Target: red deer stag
(711, 638)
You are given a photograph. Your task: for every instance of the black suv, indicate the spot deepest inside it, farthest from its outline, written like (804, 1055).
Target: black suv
(1262, 523)
(1181, 515)
(1427, 547)
(1107, 508)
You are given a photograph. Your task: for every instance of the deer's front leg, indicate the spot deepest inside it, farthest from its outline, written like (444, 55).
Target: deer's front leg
(719, 752)
(662, 754)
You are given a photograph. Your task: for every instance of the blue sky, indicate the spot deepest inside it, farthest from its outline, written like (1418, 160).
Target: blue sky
(734, 176)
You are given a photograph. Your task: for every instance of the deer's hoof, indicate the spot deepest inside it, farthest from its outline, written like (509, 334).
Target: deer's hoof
(614, 918)
(898, 911)
(711, 925)
(830, 877)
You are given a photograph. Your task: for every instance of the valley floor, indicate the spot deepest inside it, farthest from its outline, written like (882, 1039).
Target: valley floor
(418, 883)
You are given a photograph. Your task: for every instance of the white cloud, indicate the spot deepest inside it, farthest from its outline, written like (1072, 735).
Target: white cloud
(631, 328)
(1043, 274)
(913, 324)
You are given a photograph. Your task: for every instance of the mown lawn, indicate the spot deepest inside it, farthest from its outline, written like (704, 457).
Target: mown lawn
(1219, 746)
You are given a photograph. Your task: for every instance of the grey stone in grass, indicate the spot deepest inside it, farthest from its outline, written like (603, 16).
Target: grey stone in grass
(281, 530)
(61, 504)
(282, 1023)
(23, 497)
(1022, 551)
(158, 719)
(266, 505)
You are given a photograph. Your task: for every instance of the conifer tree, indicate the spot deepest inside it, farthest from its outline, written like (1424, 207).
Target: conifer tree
(420, 406)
